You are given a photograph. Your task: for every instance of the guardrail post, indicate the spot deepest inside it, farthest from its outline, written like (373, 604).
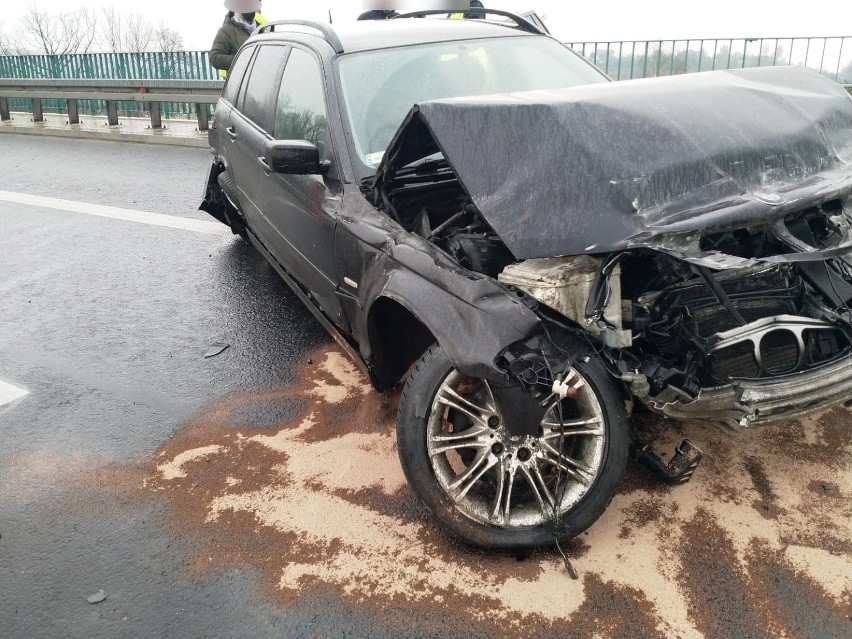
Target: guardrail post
(112, 112)
(73, 112)
(203, 121)
(75, 94)
(156, 116)
(38, 115)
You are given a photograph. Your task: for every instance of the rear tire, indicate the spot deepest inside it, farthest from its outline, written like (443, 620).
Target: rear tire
(495, 491)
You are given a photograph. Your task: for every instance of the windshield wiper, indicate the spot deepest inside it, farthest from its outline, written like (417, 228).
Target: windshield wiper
(424, 167)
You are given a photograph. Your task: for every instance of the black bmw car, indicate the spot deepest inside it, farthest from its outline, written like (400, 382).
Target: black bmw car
(471, 207)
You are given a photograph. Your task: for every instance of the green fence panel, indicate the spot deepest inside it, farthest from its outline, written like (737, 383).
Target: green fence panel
(166, 65)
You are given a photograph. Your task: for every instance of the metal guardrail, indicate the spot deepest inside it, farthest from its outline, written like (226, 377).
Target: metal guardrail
(146, 93)
(161, 65)
(831, 55)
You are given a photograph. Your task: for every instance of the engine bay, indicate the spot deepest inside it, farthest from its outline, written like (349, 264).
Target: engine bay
(679, 325)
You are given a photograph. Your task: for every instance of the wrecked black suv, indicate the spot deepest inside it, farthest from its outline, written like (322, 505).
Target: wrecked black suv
(541, 250)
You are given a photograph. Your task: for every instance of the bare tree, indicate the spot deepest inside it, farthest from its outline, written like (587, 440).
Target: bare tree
(110, 30)
(6, 46)
(168, 39)
(124, 31)
(138, 33)
(40, 31)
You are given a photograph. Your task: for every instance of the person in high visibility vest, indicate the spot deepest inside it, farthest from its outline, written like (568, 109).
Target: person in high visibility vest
(473, 15)
(243, 18)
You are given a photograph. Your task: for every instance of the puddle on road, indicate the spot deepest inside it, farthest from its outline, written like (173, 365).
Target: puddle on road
(318, 500)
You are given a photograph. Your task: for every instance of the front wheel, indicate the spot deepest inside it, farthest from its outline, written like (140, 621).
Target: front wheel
(496, 490)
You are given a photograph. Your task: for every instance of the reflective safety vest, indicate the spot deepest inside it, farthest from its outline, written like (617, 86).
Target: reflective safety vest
(259, 20)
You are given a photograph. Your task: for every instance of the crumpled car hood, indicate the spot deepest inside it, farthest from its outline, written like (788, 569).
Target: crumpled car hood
(606, 167)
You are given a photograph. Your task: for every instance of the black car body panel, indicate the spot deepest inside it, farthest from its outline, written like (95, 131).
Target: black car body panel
(607, 167)
(715, 209)
(537, 263)
(469, 312)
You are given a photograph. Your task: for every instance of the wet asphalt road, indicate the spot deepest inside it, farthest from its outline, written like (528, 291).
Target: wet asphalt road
(257, 494)
(105, 323)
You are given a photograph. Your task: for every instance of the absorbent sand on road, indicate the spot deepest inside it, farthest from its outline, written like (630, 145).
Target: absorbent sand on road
(757, 544)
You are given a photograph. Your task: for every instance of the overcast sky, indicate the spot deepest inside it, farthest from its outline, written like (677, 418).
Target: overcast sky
(197, 20)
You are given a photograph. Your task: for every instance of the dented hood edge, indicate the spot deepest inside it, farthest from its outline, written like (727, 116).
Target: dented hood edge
(649, 163)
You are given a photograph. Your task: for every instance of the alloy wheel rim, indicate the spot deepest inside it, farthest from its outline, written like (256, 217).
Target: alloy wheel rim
(511, 482)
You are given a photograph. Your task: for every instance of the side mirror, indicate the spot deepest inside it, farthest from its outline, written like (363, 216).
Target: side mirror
(294, 157)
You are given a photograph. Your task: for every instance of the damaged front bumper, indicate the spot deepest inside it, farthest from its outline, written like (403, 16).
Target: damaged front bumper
(746, 403)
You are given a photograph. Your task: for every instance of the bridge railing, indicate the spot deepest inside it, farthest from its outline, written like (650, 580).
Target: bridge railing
(161, 65)
(184, 82)
(831, 56)
(146, 96)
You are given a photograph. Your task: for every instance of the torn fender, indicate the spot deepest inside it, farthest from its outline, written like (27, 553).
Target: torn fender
(471, 316)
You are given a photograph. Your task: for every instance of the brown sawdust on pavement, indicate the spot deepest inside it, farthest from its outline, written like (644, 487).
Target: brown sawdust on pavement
(721, 598)
(765, 505)
(804, 610)
(318, 504)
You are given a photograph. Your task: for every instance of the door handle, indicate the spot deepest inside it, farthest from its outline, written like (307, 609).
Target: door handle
(232, 132)
(262, 161)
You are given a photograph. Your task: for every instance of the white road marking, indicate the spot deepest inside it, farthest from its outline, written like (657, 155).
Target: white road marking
(9, 393)
(130, 215)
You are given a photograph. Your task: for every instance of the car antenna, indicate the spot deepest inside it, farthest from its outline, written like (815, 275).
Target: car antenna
(329, 17)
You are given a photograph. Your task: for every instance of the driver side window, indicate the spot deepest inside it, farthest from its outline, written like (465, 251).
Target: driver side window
(300, 112)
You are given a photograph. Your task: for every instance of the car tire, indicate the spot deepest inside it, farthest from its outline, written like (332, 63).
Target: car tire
(420, 411)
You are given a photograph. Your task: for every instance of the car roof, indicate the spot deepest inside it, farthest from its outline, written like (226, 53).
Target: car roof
(368, 35)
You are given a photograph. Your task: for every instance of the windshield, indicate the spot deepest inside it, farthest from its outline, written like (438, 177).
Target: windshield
(380, 87)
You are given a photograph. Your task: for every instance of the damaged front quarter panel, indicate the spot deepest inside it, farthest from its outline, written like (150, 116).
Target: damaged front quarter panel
(471, 317)
(469, 314)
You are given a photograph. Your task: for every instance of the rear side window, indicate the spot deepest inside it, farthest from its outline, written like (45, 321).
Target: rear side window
(300, 112)
(235, 76)
(259, 99)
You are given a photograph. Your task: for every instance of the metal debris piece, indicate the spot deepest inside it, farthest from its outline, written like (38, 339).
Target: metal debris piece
(216, 348)
(96, 598)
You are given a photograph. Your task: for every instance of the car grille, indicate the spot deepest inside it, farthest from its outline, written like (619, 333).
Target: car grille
(716, 318)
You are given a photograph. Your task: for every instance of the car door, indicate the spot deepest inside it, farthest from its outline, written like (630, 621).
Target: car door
(221, 128)
(301, 207)
(250, 128)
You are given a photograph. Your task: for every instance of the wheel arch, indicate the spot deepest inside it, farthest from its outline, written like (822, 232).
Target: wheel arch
(398, 338)
(471, 318)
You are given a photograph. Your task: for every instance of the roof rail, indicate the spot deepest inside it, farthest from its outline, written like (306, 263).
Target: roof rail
(325, 29)
(523, 24)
